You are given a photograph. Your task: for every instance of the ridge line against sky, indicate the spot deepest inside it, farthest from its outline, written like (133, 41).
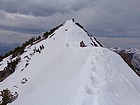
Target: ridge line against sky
(108, 20)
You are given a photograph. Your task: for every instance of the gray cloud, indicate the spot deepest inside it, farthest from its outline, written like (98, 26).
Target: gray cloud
(103, 18)
(14, 37)
(42, 7)
(120, 42)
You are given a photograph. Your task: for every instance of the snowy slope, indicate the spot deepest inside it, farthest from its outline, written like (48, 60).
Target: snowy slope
(66, 74)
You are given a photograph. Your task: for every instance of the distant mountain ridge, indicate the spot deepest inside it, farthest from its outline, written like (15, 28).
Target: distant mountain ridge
(131, 56)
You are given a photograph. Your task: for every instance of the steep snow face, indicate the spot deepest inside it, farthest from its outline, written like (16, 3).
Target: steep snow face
(63, 73)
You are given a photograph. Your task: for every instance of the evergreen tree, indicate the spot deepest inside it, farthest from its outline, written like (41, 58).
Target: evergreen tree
(7, 97)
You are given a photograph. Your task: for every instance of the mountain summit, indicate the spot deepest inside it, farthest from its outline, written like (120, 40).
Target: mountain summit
(68, 66)
(76, 35)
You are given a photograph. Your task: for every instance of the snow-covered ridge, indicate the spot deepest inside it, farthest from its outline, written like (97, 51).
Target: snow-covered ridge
(72, 33)
(66, 69)
(76, 35)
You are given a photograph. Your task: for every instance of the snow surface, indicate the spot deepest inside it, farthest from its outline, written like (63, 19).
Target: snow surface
(66, 74)
(3, 63)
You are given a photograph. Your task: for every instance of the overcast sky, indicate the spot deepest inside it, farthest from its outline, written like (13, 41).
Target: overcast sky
(114, 22)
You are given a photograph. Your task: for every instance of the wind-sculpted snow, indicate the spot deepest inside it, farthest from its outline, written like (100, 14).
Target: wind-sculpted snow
(64, 73)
